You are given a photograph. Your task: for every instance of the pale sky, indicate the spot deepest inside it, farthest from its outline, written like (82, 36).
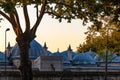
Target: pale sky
(55, 34)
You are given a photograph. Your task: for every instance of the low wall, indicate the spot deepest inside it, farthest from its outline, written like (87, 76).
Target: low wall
(61, 75)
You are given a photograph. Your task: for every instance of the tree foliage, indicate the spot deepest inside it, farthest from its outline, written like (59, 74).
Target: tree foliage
(86, 10)
(108, 36)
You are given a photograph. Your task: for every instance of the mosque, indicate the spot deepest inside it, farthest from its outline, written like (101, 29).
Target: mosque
(66, 65)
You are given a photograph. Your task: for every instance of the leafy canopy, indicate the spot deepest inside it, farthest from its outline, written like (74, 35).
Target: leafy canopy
(87, 10)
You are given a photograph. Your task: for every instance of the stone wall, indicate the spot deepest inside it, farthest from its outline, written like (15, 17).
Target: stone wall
(60, 75)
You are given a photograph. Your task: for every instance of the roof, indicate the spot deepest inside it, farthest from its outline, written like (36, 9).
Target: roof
(35, 50)
(2, 57)
(91, 53)
(65, 58)
(83, 58)
(65, 53)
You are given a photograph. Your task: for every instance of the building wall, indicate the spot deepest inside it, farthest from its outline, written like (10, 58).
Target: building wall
(110, 64)
(16, 62)
(65, 77)
(49, 63)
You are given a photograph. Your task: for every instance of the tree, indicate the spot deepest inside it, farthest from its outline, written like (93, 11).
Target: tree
(86, 10)
(107, 35)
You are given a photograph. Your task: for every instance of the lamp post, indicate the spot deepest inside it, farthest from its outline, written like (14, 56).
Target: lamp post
(106, 56)
(5, 46)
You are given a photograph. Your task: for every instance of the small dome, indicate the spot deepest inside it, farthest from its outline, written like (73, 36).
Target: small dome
(116, 59)
(114, 55)
(83, 58)
(2, 57)
(35, 50)
(91, 53)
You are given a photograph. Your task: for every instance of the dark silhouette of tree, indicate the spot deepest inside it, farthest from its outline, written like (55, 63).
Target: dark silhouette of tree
(86, 10)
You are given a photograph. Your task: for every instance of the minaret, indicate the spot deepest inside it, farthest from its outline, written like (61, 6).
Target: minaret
(90, 50)
(45, 49)
(69, 52)
(58, 50)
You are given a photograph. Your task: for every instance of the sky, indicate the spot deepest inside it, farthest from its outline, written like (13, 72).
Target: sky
(56, 35)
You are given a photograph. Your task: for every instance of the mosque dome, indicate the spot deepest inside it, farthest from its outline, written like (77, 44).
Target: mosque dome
(2, 57)
(116, 59)
(114, 55)
(91, 53)
(35, 50)
(83, 58)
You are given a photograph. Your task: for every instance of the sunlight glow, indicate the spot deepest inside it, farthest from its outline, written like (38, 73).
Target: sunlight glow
(55, 34)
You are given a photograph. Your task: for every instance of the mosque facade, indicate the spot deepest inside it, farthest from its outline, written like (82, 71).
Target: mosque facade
(66, 65)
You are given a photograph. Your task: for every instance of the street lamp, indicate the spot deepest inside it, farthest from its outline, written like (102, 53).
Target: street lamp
(107, 48)
(5, 46)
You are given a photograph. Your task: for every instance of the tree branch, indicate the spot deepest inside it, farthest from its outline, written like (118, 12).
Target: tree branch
(33, 30)
(27, 21)
(18, 22)
(6, 16)
(37, 10)
(14, 25)
(36, 2)
(11, 20)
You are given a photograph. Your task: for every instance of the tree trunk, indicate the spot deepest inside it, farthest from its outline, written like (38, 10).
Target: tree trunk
(25, 67)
